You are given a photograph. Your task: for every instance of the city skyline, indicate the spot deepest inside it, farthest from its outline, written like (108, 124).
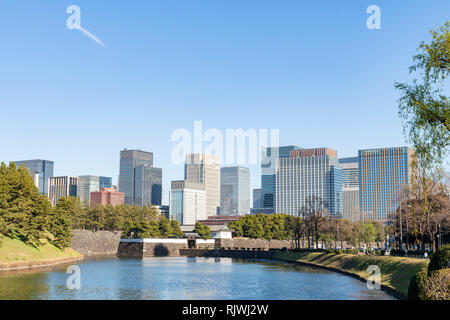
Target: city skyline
(157, 74)
(197, 165)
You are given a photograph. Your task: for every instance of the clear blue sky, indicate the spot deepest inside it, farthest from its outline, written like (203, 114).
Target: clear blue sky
(309, 68)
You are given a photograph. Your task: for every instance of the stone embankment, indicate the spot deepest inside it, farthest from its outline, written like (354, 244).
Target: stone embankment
(95, 243)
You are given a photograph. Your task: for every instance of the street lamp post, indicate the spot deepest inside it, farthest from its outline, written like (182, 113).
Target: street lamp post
(439, 237)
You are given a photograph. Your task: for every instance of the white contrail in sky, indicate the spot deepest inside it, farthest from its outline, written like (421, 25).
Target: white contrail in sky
(74, 22)
(90, 35)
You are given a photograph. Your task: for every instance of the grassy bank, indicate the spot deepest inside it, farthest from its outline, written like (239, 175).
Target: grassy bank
(16, 254)
(396, 272)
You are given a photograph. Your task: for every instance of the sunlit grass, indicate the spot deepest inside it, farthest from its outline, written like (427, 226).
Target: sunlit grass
(396, 272)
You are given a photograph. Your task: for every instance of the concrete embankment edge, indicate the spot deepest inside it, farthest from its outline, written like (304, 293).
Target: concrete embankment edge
(39, 264)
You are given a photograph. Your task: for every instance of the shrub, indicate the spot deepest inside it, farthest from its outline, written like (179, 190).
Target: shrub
(329, 251)
(437, 287)
(440, 259)
(378, 252)
(339, 251)
(416, 289)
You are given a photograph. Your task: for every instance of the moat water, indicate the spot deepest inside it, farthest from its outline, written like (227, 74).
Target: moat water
(182, 278)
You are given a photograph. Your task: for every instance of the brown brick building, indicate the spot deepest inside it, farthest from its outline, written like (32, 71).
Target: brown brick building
(107, 196)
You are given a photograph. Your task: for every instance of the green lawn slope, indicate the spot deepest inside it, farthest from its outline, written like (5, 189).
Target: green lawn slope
(16, 254)
(396, 272)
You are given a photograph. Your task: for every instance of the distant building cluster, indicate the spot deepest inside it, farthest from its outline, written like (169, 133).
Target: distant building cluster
(363, 187)
(293, 180)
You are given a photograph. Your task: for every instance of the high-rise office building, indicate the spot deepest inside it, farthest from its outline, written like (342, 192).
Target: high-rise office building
(187, 202)
(257, 203)
(164, 210)
(234, 191)
(205, 169)
(138, 179)
(269, 157)
(88, 184)
(383, 173)
(147, 186)
(309, 178)
(40, 171)
(59, 187)
(350, 188)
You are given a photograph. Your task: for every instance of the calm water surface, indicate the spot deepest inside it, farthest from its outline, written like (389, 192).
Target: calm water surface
(186, 278)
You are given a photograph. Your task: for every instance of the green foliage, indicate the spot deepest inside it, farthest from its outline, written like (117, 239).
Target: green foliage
(423, 105)
(165, 229)
(339, 251)
(27, 215)
(202, 230)
(60, 223)
(23, 211)
(417, 284)
(237, 226)
(440, 259)
(176, 230)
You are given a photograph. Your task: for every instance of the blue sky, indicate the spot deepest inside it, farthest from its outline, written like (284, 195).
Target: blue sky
(311, 69)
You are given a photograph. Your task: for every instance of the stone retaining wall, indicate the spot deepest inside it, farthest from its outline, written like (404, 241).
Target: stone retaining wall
(95, 243)
(237, 254)
(247, 243)
(151, 247)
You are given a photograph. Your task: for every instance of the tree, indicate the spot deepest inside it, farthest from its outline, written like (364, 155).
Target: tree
(176, 230)
(60, 225)
(425, 213)
(202, 230)
(23, 210)
(423, 106)
(165, 228)
(237, 226)
(252, 226)
(296, 228)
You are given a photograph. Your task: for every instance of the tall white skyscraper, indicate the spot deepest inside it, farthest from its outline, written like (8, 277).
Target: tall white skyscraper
(205, 169)
(234, 191)
(309, 178)
(187, 202)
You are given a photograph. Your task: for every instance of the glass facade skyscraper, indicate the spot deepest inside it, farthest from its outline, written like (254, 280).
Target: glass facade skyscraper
(269, 157)
(139, 180)
(187, 202)
(308, 177)
(257, 203)
(42, 168)
(147, 186)
(382, 174)
(234, 191)
(88, 184)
